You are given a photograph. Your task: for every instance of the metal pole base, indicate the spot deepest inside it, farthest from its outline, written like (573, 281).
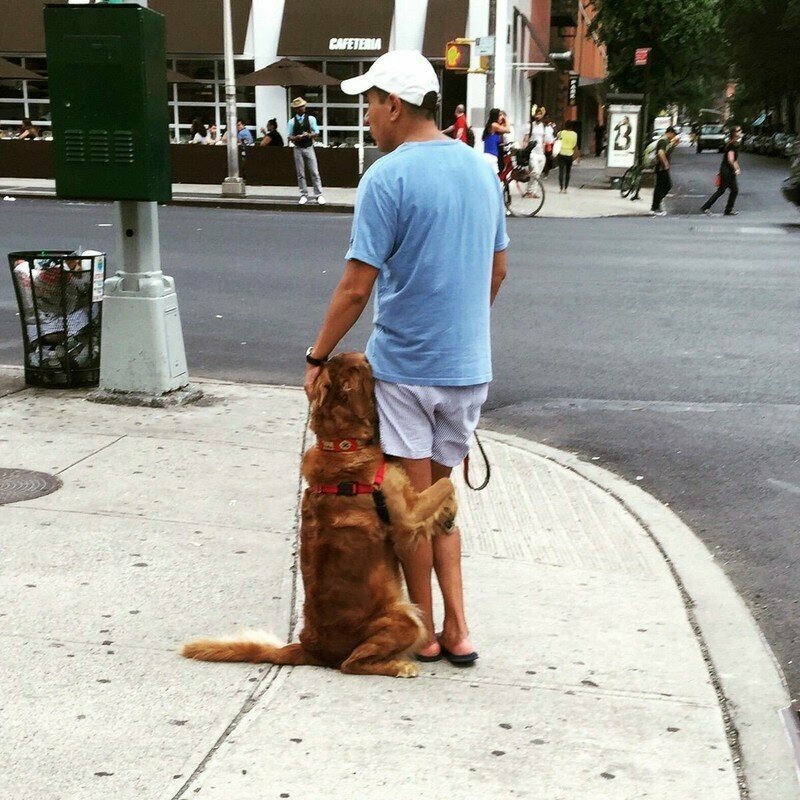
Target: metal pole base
(233, 187)
(180, 397)
(141, 344)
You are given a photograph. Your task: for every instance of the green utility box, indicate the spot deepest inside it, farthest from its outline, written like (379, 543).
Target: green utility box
(108, 101)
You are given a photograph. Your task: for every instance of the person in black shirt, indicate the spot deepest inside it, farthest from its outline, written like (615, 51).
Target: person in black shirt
(663, 180)
(271, 136)
(728, 172)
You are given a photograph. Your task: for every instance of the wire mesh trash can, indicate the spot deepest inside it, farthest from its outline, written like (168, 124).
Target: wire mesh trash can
(60, 295)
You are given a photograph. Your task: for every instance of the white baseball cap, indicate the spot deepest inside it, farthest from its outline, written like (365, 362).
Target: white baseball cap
(406, 73)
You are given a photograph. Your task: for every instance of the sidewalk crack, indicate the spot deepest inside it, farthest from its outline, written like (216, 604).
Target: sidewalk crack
(91, 455)
(274, 676)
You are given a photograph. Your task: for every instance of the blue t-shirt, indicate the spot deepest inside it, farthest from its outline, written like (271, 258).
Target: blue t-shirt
(244, 136)
(430, 216)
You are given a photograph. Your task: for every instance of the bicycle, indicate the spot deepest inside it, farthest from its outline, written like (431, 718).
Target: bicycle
(523, 190)
(631, 179)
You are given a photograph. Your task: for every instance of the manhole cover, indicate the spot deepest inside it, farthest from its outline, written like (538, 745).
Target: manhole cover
(22, 484)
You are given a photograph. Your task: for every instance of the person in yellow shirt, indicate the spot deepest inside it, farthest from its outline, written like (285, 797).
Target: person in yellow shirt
(569, 152)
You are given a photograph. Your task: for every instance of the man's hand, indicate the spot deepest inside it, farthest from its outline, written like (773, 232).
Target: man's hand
(312, 373)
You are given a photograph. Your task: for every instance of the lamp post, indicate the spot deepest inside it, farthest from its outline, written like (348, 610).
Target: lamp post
(233, 184)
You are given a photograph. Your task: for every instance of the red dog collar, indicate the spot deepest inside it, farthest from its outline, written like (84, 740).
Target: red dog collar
(351, 488)
(341, 445)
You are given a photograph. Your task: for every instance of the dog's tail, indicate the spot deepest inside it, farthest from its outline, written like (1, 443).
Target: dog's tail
(253, 646)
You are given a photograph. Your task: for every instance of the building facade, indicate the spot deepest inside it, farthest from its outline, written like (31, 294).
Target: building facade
(341, 38)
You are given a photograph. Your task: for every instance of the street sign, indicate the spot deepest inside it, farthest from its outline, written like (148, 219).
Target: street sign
(641, 56)
(457, 56)
(572, 93)
(484, 46)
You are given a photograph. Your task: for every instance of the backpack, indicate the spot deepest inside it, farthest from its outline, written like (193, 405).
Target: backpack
(649, 155)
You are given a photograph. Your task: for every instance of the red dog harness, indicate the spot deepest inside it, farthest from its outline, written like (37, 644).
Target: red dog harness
(352, 488)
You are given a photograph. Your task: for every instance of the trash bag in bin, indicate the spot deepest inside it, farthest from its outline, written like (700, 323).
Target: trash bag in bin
(60, 300)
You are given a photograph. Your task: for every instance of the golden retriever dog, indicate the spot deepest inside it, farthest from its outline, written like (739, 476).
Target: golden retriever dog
(356, 617)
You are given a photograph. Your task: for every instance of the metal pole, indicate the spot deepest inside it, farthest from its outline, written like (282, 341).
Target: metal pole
(645, 111)
(233, 184)
(489, 102)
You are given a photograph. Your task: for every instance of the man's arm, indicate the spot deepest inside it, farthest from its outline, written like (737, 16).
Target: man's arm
(732, 161)
(498, 273)
(348, 300)
(662, 154)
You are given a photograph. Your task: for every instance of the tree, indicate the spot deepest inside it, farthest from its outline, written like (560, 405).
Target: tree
(689, 62)
(763, 36)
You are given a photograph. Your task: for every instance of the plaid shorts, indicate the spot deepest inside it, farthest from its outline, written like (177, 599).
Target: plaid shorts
(434, 422)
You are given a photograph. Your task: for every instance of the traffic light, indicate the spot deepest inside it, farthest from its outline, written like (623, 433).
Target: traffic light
(457, 56)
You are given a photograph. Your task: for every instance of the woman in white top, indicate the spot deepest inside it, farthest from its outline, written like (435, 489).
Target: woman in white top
(198, 133)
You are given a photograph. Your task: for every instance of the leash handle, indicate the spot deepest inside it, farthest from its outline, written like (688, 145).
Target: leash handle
(488, 468)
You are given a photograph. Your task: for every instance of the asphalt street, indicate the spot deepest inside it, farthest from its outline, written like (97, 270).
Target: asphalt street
(664, 349)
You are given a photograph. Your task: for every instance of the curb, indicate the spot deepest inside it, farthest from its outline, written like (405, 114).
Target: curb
(245, 204)
(743, 669)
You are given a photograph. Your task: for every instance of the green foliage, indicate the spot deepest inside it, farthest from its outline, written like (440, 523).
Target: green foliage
(764, 37)
(689, 61)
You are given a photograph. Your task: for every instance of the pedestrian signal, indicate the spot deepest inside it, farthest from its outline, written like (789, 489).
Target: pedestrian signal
(457, 56)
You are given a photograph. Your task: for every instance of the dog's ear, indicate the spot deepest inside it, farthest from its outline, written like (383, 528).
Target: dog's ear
(358, 387)
(321, 387)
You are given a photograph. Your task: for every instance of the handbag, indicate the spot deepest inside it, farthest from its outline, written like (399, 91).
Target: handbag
(718, 180)
(556, 148)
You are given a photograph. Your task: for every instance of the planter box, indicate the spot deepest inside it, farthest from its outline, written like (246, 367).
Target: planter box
(194, 163)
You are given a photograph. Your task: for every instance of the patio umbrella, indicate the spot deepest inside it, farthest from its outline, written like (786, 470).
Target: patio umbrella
(179, 77)
(11, 72)
(287, 73)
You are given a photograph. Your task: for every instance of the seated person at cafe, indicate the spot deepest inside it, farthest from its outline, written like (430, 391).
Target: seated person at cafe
(243, 135)
(271, 136)
(26, 130)
(198, 133)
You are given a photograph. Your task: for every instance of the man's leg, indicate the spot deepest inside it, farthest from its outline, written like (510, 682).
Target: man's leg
(656, 193)
(313, 168)
(300, 168)
(662, 188)
(733, 185)
(714, 197)
(443, 555)
(418, 566)
(447, 564)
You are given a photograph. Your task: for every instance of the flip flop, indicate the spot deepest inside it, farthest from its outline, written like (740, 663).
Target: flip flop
(430, 659)
(467, 660)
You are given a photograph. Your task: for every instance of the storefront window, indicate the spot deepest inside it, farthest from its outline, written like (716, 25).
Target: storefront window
(343, 117)
(206, 100)
(25, 99)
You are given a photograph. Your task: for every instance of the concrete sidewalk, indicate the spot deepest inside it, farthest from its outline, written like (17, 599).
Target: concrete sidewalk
(616, 663)
(588, 196)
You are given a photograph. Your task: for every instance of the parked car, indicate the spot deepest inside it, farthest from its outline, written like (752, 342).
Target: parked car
(712, 137)
(789, 145)
(747, 143)
(777, 143)
(760, 144)
(791, 186)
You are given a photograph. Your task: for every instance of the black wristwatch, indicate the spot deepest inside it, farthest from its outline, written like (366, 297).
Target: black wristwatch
(315, 362)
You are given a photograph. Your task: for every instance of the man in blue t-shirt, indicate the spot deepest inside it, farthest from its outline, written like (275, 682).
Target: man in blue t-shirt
(429, 232)
(243, 134)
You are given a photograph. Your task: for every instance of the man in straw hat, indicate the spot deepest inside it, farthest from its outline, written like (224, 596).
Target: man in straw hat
(302, 132)
(430, 230)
